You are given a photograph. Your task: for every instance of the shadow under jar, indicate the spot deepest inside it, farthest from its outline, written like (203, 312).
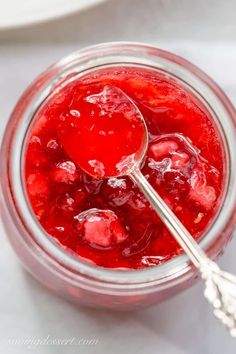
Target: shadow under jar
(63, 272)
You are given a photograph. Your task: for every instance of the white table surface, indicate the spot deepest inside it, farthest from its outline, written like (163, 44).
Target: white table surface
(202, 31)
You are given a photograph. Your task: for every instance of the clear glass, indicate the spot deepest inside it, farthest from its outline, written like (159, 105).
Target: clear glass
(67, 275)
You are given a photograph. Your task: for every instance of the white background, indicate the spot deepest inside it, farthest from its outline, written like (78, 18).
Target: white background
(202, 31)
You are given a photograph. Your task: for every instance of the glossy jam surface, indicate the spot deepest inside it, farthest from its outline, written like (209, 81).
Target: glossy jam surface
(108, 222)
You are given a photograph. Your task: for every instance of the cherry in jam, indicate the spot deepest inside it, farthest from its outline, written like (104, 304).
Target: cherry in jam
(108, 222)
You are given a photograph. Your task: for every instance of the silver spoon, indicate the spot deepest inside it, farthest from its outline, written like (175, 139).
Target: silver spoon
(220, 287)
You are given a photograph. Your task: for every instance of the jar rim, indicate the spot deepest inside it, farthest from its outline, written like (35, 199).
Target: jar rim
(94, 56)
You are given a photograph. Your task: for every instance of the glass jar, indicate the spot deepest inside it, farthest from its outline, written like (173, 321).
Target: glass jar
(67, 275)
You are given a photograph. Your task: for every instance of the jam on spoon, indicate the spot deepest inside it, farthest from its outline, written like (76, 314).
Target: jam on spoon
(108, 140)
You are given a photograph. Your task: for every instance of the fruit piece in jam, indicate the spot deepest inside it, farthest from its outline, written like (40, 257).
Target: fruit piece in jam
(108, 221)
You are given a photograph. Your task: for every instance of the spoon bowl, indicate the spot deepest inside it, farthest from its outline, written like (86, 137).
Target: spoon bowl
(109, 138)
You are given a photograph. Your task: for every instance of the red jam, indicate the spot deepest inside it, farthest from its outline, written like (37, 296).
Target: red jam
(108, 222)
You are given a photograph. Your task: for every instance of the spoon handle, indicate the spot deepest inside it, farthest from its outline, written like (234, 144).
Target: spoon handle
(220, 291)
(220, 287)
(177, 229)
